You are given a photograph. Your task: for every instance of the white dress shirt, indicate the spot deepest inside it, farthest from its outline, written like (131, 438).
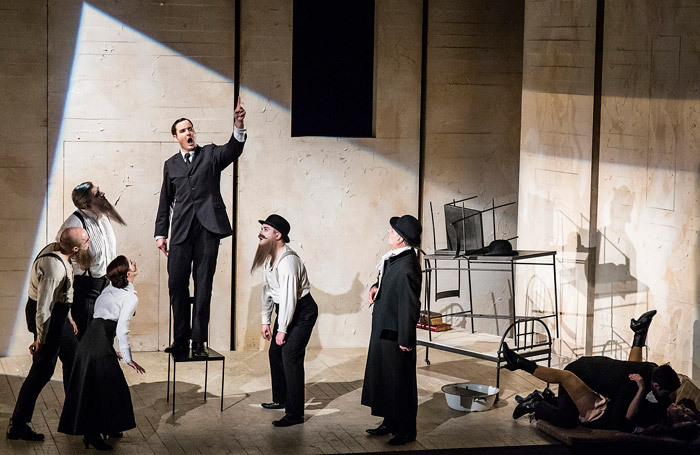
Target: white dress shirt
(284, 283)
(103, 243)
(118, 304)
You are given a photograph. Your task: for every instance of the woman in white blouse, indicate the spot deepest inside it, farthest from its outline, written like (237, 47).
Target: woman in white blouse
(98, 400)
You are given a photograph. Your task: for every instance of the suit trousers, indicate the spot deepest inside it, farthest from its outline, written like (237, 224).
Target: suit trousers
(195, 256)
(60, 342)
(287, 361)
(86, 290)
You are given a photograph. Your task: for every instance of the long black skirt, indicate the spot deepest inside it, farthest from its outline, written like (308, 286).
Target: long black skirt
(98, 398)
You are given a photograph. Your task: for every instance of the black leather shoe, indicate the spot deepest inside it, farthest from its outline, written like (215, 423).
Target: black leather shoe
(178, 347)
(381, 430)
(401, 439)
(288, 420)
(517, 362)
(23, 431)
(116, 435)
(643, 322)
(199, 350)
(527, 406)
(273, 405)
(520, 399)
(96, 441)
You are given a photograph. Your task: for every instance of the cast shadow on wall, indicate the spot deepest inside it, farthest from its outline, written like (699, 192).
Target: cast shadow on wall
(615, 287)
(328, 305)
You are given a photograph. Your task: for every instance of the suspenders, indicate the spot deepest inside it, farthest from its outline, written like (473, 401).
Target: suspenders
(82, 221)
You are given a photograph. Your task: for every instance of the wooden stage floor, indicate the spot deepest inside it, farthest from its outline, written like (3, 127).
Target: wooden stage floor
(336, 421)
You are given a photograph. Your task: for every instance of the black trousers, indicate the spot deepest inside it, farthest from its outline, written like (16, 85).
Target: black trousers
(86, 289)
(195, 256)
(563, 413)
(60, 342)
(287, 361)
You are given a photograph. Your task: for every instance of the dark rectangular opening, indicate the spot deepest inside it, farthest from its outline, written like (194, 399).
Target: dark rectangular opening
(333, 68)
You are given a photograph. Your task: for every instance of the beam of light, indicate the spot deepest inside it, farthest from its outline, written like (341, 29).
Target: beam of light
(99, 95)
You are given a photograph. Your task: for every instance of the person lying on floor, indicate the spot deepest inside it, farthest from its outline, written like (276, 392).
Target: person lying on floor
(600, 392)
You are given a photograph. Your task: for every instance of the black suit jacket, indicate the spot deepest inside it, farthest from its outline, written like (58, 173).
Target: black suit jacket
(195, 192)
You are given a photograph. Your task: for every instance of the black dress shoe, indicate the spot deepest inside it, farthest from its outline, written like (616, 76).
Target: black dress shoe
(517, 362)
(520, 399)
(288, 420)
(526, 406)
(199, 350)
(96, 441)
(178, 347)
(381, 430)
(273, 405)
(23, 431)
(401, 439)
(116, 435)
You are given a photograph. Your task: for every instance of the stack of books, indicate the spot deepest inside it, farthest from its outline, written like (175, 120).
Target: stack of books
(432, 321)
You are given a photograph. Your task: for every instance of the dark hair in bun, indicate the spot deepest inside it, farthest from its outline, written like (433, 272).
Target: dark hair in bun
(117, 270)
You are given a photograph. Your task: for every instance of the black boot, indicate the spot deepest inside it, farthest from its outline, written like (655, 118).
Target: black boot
(517, 362)
(527, 406)
(640, 327)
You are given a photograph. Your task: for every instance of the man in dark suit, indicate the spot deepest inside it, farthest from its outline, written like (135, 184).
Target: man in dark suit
(390, 386)
(191, 196)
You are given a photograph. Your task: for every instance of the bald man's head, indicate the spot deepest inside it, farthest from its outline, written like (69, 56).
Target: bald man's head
(75, 243)
(74, 239)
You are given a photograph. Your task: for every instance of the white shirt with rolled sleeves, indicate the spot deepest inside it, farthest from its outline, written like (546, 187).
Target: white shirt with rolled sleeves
(284, 283)
(118, 304)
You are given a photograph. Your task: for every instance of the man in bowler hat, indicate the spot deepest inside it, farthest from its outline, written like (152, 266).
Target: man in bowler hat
(285, 286)
(390, 388)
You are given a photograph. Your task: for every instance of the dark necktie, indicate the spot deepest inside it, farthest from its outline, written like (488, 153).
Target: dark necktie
(188, 159)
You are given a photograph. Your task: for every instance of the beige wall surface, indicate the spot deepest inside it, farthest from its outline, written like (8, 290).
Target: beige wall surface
(89, 91)
(114, 77)
(116, 74)
(650, 178)
(23, 166)
(640, 239)
(555, 155)
(338, 194)
(472, 124)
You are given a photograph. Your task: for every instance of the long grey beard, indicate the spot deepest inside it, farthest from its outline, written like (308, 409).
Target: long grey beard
(84, 259)
(263, 252)
(106, 208)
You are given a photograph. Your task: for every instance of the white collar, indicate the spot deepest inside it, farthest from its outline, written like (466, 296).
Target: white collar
(392, 253)
(184, 154)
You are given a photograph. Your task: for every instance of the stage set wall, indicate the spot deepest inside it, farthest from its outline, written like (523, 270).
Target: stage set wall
(627, 214)
(90, 91)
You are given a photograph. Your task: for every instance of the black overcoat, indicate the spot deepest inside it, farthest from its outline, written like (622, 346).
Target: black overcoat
(390, 375)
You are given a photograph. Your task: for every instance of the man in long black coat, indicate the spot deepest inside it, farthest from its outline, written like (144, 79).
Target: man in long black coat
(390, 388)
(191, 199)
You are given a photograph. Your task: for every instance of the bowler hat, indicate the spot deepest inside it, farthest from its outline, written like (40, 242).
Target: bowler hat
(280, 224)
(501, 248)
(408, 228)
